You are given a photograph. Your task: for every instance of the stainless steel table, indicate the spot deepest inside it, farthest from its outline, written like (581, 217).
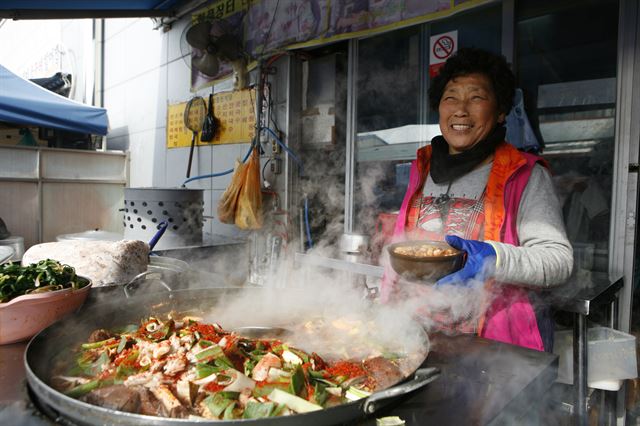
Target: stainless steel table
(579, 296)
(483, 382)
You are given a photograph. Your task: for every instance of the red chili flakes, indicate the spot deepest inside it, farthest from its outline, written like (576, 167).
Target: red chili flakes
(346, 368)
(213, 387)
(122, 358)
(207, 332)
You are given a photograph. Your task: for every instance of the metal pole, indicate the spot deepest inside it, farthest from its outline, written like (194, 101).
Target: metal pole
(352, 121)
(611, 398)
(580, 365)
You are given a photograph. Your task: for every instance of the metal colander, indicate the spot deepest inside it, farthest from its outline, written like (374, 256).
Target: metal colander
(146, 208)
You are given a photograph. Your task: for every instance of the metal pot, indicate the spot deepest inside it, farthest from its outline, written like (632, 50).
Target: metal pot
(17, 244)
(91, 235)
(44, 350)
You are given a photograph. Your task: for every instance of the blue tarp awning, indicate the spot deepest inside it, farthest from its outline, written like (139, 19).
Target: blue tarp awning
(24, 102)
(68, 9)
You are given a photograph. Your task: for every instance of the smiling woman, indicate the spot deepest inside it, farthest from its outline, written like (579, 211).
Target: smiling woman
(468, 112)
(472, 188)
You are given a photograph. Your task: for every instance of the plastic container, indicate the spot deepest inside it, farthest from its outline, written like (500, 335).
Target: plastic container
(611, 357)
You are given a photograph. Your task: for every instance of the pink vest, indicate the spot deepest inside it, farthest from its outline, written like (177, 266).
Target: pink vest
(510, 318)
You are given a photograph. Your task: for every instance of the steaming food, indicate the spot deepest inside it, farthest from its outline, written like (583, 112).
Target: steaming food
(182, 368)
(424, 250)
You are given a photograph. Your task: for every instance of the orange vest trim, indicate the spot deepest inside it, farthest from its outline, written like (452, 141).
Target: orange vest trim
(507, 160)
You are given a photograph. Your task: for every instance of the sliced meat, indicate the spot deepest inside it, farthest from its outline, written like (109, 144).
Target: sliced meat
(171, 404)
(99, 335)
(261, 370)
(384, 372)
(318, 362)
(179, 412)
(116, 397)
(149, 404)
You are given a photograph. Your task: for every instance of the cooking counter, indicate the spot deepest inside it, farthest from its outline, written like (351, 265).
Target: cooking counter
(482, 382)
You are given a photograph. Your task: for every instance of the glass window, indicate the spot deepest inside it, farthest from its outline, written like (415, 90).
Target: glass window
(566, 67)
(388, 85)
(390, 122)
(322, 147)
(478, 28)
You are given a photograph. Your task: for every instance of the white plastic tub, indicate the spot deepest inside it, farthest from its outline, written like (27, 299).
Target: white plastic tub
(611, 357)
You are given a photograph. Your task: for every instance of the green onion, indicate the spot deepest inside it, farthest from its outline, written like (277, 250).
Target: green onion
(217, 403)
(258, 410)
(228, 412)
(297, 382)
(95, 345)
(210, 353)
(205, 370)
(122, 344)
(83, 389)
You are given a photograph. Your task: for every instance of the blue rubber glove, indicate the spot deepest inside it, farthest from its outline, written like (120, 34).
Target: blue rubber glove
(480, 263)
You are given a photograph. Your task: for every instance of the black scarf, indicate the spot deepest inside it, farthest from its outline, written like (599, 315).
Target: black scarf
(446, 167)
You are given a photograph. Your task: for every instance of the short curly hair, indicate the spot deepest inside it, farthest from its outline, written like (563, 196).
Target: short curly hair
(471, 60)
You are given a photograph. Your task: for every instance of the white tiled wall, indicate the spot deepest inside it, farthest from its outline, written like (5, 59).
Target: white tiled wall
(144, 72)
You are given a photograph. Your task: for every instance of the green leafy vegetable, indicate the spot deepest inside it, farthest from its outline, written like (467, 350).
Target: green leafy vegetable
(46, 275)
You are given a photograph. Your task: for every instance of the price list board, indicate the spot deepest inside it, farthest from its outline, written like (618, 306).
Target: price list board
(235, 120)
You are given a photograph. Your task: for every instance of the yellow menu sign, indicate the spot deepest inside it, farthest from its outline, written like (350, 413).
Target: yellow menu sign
(178, 135)
(235, 116)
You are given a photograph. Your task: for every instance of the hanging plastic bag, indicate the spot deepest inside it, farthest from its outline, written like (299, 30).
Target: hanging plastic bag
(229, 200)
(519, 131)
(249, 210)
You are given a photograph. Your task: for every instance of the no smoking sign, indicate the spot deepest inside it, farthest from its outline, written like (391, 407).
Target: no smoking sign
(441, 47)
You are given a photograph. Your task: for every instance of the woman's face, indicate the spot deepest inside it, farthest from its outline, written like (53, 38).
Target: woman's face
(468, 111)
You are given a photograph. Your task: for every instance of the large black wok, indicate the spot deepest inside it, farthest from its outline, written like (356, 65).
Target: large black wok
(51, 344)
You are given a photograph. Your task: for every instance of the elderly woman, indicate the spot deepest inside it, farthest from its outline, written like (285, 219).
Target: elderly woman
(473, 188)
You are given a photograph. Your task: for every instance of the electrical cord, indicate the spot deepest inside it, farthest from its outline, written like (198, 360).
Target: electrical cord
(264, 179)
(283, 146)
(253, 143)
(226, 172)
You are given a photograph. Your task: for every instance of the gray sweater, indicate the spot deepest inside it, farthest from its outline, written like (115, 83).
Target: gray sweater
(545, 256)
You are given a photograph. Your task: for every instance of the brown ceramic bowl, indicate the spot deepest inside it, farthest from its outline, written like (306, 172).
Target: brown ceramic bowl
(426, 269)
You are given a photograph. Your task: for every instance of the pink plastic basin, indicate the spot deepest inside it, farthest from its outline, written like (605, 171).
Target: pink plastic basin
(23, 317)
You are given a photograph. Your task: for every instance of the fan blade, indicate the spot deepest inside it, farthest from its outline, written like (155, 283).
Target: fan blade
(229, 47)
(199, 35)
(207, 64)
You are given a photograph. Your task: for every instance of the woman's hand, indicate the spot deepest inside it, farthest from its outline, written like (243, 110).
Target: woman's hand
(480, 261)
